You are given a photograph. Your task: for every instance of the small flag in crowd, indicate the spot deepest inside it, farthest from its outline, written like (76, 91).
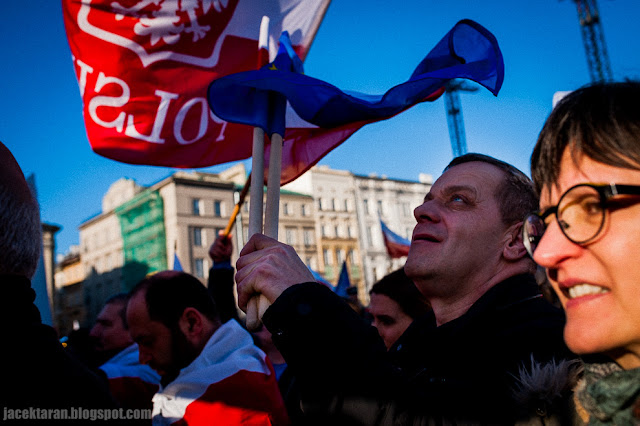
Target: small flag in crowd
(467, 51)
(177, 266)
(343, 282)
(395, 244)
(319, 278)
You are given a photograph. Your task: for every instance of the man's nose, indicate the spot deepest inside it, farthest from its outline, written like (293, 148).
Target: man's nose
(427, 211)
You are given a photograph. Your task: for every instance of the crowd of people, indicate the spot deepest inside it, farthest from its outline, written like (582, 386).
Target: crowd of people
(461, 335)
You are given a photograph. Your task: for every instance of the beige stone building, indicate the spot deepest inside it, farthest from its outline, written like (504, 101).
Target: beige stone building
(392, 201)
(348, 210)
(329, 217)
(143, 230)
(336, 224)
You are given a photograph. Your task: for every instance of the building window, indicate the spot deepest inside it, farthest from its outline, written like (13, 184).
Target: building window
(197, 237)
(350, 231)
(380, 211)
(217, 208)
(199, 267)
(285, 209)
(320, 204)
(406, 210)
(346, 205)
(336, 231)
(323, 230)
(333, 204)
(290, 236)
(340, 256)
(327, 257)
(369, 236)
(197, 206)
(352, 257)
(305, 210)
(308, 236)
(366, 206)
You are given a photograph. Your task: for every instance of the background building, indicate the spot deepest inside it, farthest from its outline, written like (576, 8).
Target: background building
(328, 216)
(391, 201)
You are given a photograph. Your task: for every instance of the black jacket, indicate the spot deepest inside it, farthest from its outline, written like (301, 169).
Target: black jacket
(459, 373)
(36, 371)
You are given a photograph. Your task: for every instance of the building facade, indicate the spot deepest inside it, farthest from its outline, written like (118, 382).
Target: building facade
(330, 217)
(349, 209)
(143, 230)
(391, 201)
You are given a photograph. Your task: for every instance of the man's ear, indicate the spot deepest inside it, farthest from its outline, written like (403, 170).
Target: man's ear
(514, 248)
(191, 324)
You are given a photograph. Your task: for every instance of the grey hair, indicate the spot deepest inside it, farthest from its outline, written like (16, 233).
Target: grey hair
(20, 234)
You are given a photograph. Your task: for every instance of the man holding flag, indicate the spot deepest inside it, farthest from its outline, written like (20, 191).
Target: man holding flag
(459, 363)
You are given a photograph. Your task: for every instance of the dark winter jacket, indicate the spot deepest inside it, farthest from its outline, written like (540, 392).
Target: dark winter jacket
(37, 374)
(462, 372)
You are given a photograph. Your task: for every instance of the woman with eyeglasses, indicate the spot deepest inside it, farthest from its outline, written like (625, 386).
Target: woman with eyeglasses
(586, 168)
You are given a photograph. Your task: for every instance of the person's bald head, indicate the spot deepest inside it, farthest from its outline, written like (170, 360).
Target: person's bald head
(20, 229)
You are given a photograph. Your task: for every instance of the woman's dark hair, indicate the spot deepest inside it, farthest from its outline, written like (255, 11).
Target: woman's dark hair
(600, 121)
(399, 288)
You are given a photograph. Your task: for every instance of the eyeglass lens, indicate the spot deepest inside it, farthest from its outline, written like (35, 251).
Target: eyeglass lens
(580, 215)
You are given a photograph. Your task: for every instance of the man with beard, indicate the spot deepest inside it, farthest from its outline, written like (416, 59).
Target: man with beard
(212, 373)
(132, 384)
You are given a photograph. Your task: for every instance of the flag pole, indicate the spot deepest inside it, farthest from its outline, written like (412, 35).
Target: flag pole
(273, 188)
(257, 176)
(236, 209)
(273, 205)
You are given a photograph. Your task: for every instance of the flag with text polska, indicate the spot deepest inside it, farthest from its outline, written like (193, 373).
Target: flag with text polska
(143, 67)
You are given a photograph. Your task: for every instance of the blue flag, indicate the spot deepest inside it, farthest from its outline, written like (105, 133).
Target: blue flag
(177, 266)
(468, 51)
(343, 282)
(256, 106)
(319, 278)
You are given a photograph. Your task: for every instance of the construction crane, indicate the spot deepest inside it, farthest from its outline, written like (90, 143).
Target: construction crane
(454, 114)
(593, 39)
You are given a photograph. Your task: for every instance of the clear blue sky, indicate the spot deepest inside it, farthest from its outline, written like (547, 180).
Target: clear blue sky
(363, 45)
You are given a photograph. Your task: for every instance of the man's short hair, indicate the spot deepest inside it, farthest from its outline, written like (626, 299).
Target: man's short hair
(601, 121)
(20, 228)
(401, 289)
(516, 196)
(120, 299)
(169, 293)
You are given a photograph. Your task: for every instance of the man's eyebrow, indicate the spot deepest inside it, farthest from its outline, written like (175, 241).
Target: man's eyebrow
(452, 189)
(460, 188)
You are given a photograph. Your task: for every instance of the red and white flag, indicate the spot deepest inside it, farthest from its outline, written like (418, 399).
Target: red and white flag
(143, 67)
(229, 383)
(132, 384)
